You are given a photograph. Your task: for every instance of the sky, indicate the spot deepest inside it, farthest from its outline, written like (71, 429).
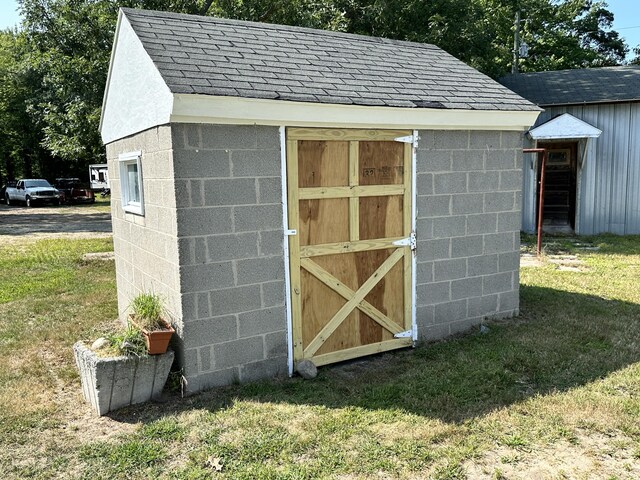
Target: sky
(626, 12)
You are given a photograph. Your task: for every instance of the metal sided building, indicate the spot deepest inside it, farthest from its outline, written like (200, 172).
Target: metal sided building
(302, 194)
(591, 128)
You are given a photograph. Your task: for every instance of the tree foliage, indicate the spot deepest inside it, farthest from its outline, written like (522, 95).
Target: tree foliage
(53, 70)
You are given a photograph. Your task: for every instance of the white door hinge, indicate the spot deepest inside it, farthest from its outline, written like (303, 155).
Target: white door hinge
(290, 233)
(407, 139)
(410, 241)
(405, 334)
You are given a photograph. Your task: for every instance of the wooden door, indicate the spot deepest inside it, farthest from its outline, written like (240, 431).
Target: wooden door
(350, 201)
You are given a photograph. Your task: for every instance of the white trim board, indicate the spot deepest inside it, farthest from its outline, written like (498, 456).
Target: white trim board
(190, 108)
(565, 126)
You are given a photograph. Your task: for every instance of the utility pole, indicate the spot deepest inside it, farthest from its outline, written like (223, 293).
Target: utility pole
(516, 43)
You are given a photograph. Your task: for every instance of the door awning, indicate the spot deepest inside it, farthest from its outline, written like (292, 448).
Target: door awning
(564, 126)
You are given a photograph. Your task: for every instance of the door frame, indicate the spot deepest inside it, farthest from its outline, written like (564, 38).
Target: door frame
(284, 169)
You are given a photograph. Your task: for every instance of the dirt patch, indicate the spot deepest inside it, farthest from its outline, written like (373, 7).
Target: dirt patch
(592, 456)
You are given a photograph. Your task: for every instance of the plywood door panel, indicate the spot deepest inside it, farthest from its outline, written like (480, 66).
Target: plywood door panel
(351, 197)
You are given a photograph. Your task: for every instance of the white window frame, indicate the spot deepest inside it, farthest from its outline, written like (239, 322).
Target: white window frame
(128, 205)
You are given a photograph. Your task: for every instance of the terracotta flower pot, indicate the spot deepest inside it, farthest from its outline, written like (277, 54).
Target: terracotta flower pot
(157, 340)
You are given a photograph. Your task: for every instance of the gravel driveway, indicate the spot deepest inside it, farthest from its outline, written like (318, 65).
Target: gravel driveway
(48, 222)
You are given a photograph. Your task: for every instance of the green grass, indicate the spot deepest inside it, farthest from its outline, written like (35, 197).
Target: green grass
(552, 394)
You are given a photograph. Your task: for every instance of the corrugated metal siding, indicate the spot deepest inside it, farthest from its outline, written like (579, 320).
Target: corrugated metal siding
(609, 199)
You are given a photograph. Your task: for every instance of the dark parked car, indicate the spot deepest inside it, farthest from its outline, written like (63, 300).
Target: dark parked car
(3, 190)
(74, 191)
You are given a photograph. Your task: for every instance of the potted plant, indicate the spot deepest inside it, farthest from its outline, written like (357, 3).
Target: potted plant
(148, 315)
(115, 371)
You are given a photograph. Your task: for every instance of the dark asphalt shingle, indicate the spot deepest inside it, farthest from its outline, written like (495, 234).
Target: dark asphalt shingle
(574, 87)
(213, 56)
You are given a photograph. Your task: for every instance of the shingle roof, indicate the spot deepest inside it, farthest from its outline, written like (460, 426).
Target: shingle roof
(570, 87)
(213, 56)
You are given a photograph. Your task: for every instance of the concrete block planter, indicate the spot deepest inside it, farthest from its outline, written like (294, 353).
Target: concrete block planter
(115, 382)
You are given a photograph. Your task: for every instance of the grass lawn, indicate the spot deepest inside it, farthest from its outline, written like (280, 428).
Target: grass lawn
(554, 393)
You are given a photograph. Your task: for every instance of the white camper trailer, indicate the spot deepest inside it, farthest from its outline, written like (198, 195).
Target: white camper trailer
(99, 176)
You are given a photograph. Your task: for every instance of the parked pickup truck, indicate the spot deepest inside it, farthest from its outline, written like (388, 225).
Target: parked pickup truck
(32, 192)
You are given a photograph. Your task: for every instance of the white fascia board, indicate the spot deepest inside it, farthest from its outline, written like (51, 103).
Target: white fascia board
(189, 108)
(563, 127)
(136, 97)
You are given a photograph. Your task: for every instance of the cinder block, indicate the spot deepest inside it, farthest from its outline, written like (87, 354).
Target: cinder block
(433, 161)
(501, 160)
(466, 287)
(234, 246)
(433, 250)
(218, 378)
(275, 344)
(484, 140)
(450, 312)
(434, 333)
(432, 293)
(434, 206)
(257, 218)
(482, 265)
(209, 331)
(424, 228)
(509, 301)
(424, 317)
(187, 136)
(257, 270)
(467, 203)
(269, 190)
(498, 243)
(230, 191)
(235, 300)
(511, 180)
(509, 221)
(497, 283)
(424, 273)
(266, 369)
(509, 262)
(464, 326)
(205, 358)
(198, 164)
(512, 139)
(255, 163)
(466, 246)
(263, 321)
(202, 305)
(424, 184)
(189, 312)
(200, 251)
(272, 293)
(208, 276)
(499, 201)
(482, 223)
(467, 160)
(445, 183)
(238, 352)
(267, 138)
(182, 193)
(196, 194)
(446, 227)
(449, 269)
(484, 181)
(271, 242)
(451, 139)
(482, 306)
(203, 221)
(220, 137)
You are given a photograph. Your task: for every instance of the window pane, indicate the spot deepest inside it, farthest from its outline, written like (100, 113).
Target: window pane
(134, 187)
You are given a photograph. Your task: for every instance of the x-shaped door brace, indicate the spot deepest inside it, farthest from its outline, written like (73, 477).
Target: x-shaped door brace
(355, 299)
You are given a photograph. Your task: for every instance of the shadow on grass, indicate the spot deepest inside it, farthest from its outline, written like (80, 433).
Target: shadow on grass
(560, 341)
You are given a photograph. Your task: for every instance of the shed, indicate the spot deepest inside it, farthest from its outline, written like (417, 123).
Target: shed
(592, 124)
(302, 194)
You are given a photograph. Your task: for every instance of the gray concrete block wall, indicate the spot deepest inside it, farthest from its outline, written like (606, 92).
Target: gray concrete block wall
(231, 257)
(146, 246)
(468, 207)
